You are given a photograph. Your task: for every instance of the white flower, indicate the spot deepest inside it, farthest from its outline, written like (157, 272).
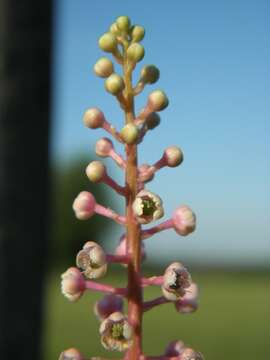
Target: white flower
(147, 207)
(175, 281)
(72, 284)
(190, 354)
(92, 260)
(116, 333)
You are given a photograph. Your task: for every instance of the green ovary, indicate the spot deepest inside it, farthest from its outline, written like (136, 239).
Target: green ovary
(117, 332)
(149, 207)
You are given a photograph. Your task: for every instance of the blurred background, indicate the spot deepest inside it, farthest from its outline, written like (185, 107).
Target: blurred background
(214, 59)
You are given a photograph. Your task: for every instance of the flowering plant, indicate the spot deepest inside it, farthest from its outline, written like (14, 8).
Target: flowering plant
(118, 331)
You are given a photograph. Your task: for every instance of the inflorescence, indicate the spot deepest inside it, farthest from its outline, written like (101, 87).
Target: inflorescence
(118, 331)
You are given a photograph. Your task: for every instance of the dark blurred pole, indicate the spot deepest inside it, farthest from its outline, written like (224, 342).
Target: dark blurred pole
(25, 46)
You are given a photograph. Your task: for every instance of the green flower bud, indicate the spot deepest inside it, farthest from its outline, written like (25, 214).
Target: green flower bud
(107, 42)
(149, 74)
(137, 33)
(123, 23)
(103, 67)
(135, 52)
(158, 100)
(95, 171)
(114, 29)
(114, 84)
(152, 121)
(129, 134)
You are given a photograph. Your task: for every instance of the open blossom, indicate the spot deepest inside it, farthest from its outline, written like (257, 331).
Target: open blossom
(184, 220)
(190, 354)
(92, 260)
(147, 207)
(71, 354)
(107, 305)
(116, 333)
(175, 281)
(189, 302)
(72, 284)
(84, 205)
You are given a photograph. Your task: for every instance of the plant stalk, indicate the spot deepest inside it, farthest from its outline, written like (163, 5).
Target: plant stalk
(135, 305)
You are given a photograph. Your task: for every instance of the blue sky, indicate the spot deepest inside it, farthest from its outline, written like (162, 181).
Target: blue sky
(214, 58)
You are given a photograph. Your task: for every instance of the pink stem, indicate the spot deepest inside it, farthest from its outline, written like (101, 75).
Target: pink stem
(138, 88)
(155, 280)
(118, 159)
(101, 210)
(92, 285)
(113, 184)
(148, 305)
(111, 130)
(143, 115)
(160, 163)
(122, 259)
(168, 224)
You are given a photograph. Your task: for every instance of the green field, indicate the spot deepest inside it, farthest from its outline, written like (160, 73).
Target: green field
(232, 323)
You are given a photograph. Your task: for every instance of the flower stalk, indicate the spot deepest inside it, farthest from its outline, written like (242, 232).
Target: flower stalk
(121, 332)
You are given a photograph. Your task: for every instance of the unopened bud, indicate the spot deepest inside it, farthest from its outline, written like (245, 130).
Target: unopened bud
(135, 52)
(71, 354)
(174, 156)
(72, 284)
(114, 84)
(175, 348)
(184, 220)
(108, 305)
(149, 74)
(114, 29)
(95, 171)
(129, 134)
(152, 121)
(84, 205)
(93, 118)
(103, 67)
(107, 42)
(123, 23)
(137, 33)
(158, 100)
(104, 147)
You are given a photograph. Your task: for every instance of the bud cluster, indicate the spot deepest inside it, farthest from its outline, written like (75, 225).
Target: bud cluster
(119, 331)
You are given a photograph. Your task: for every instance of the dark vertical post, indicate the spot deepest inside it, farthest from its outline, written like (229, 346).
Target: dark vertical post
(25, 46)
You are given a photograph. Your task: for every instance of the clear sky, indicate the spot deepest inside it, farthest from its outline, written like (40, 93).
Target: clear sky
(214, 58)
